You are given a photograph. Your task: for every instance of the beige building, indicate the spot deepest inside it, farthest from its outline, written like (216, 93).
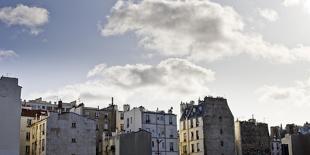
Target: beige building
(206, 128)
(63, 134)
(10, 111)
(27, 117)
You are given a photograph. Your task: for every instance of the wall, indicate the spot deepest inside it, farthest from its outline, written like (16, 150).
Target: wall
(10, 111)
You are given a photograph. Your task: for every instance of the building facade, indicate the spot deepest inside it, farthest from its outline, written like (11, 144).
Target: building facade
(161, 125)
(10, 111)
(39, 104)
(207, 128)
(105, 121)
(27, 117)
(275, 140)
(63, 134)
(252, 138)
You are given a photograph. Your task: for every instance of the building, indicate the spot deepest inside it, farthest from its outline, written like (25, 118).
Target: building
(63, 134)
(133, 143)
(207, 128)
(252, 138)
(10, 111)
(296, 140)
(162, 126)
(275, 140)
(39, 104)
(27, 117)
(296, 144)
(105, 120)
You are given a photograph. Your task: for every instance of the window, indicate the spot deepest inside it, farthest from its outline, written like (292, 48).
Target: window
(184, 137)
(97, 114)
(105, 126)
(163, 145)
(73, 140)
(27, 150)
(220, 119)
(171, 146)
(171, 133)
(147, 120)
(122, 116)
(43, 129)
(73, 125)
(221, 131)
(192, 124)
(43, 144)
(28, 122)
(197, 122)
(127, 123)
(198, 149)
(192, 135)
(130, 120)
(222, 143)
(197, 134)
(170, 119)
(122, 127)
(27, 136)
(193, 148)
(184, 125)
(184, 149)
(152, 143)
(43, 107)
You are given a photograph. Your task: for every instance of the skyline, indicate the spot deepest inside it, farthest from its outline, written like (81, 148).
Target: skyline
(255, 53)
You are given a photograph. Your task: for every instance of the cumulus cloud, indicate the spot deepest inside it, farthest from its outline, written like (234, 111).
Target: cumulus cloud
(288, 3)
(268, 14)
(30, 17)
(285, 104)
(161, 85)
(6, 54)
(305, 4)
(194, 29)
(298, 94)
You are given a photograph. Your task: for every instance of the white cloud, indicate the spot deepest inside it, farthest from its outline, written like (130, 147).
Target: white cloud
(305, 4)
(268, 14)
(22, 15)
(288, 3)
(162, 85)
(286, 104)
(194, 29)
(296, 95)
(6, 54)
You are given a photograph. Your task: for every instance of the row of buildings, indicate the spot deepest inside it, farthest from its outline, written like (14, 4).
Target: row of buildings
(206, 127)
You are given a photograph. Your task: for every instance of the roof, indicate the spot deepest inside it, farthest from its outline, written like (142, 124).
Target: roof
(192, 111)
(33, 113)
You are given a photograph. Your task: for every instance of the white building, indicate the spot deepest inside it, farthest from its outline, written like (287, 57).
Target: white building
(63, 134)
(27, 117)
(10, 111)
(163, 127)
(39, 104)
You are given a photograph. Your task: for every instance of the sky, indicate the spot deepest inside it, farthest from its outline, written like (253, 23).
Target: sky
(157, 53)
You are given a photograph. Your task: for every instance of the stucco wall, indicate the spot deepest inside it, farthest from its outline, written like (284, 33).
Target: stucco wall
(10, 111)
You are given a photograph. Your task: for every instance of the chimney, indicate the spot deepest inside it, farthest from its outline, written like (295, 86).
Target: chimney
(60, 107)
(126, 107)
(112, 100)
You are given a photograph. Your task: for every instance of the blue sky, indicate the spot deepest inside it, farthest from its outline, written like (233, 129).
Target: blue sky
(254, 53)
